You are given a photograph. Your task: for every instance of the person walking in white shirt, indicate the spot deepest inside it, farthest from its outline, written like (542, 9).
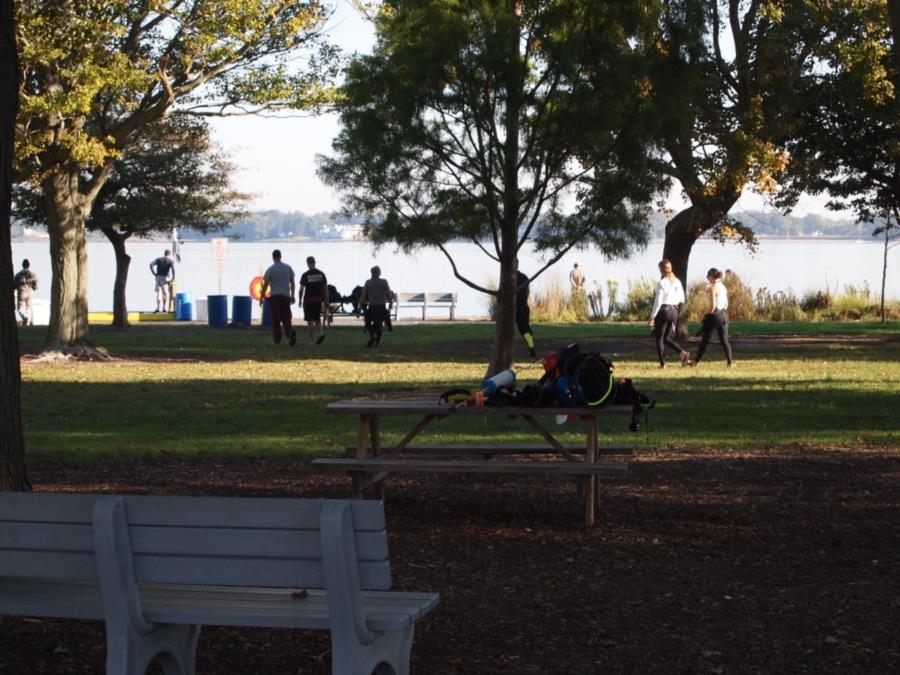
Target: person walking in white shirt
(664, 315)
(717, 317)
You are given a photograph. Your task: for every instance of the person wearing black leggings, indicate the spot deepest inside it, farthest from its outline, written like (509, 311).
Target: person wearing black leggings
(717, 318)
(664, 315)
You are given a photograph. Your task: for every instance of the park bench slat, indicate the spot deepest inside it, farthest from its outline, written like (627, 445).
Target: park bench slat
(49, 564)
(293, 514)
(48, 598)
(39, 536)
(277, 608)
(239, 542)
(213, 606)
(222, 571)
(458, 466)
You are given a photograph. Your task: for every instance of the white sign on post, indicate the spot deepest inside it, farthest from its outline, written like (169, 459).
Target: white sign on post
(220, 254)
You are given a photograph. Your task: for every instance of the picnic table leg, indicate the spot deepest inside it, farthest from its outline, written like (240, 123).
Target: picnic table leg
(591, 484)
(362, 451)
(375, 438)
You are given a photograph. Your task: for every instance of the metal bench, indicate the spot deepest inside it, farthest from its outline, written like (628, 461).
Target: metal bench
(426, 301)
(157, 568)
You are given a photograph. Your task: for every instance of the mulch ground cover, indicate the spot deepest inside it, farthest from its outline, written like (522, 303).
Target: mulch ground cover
(702, 561)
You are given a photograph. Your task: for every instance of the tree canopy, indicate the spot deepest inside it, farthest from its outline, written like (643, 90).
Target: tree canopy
(501, 123)
(726, 73)
(97, 71)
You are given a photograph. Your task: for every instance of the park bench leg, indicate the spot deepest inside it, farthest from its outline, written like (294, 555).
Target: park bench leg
(131, 642)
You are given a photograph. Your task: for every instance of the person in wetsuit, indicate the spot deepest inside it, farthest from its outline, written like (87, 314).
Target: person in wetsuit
(523, 313)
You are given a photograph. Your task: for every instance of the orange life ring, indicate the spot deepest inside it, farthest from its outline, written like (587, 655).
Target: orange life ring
(256, 288)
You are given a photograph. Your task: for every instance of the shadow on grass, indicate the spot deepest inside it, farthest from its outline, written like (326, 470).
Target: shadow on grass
(257, 418)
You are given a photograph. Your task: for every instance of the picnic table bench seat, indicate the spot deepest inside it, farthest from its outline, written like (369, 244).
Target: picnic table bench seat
(488, 449)
(471, 466)
(156, 569)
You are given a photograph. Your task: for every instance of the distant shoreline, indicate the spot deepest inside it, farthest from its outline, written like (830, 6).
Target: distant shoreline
(294, 240)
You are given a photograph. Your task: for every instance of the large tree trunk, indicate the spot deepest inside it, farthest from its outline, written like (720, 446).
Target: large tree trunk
(68, 261)
(884, 266)
(503, 349)
(123, 261)
(12, 442)
(685, 229)
(681, 233)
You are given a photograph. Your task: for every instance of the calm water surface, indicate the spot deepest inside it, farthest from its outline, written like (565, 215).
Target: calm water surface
(795, 265)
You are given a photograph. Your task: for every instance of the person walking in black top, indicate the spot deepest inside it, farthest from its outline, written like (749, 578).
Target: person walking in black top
(314, 289)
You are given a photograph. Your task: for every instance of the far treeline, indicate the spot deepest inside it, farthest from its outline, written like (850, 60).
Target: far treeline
(273, 225)
(269, 225)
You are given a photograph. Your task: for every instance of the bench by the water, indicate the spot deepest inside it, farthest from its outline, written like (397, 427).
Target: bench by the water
(156, 569)
(425, 301)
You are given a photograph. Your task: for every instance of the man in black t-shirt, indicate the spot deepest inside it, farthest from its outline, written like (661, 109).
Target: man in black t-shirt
(314, 295)
(162, 267)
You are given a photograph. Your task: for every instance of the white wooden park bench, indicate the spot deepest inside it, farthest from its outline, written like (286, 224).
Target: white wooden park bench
(156, 569)
(425, 301)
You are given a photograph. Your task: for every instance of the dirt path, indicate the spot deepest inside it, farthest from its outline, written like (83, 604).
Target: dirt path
(706, 561)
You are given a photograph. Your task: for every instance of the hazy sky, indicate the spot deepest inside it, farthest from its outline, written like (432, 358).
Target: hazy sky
(276, 157)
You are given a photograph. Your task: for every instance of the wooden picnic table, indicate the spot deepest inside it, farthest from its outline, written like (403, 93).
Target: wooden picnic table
(373, 461)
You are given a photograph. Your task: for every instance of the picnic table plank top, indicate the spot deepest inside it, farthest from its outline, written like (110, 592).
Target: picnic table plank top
(430, 407)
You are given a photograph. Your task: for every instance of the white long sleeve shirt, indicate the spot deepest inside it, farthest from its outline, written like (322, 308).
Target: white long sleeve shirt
(667, 293)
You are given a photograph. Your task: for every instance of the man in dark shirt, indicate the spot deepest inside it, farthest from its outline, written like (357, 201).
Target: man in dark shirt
(314, 292)
(25, 282)
(162, 267)
(523, 313)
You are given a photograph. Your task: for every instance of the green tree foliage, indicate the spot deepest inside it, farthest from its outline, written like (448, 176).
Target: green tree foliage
(171, 177)
(725, 73)
(96, 72)
(499, 122)
(848, 144)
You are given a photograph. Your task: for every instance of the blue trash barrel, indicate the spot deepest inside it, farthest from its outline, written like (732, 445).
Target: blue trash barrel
(183, 307)
(266, 317)
(242, 309)
(217, 309)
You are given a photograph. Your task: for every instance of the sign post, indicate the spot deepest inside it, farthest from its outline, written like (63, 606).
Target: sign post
(220, 255)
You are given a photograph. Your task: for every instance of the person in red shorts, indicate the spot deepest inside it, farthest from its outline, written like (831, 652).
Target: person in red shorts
(280, 279)
(314, 291)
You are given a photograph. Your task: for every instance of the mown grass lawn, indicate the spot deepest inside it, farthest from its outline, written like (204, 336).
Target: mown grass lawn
(188, 390)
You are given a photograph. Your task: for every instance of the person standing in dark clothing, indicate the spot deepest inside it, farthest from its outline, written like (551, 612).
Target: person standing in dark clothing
(523, 313)
(314, 289)
(161, 268)
(379, 297)
(280, 279)
(25, 282)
